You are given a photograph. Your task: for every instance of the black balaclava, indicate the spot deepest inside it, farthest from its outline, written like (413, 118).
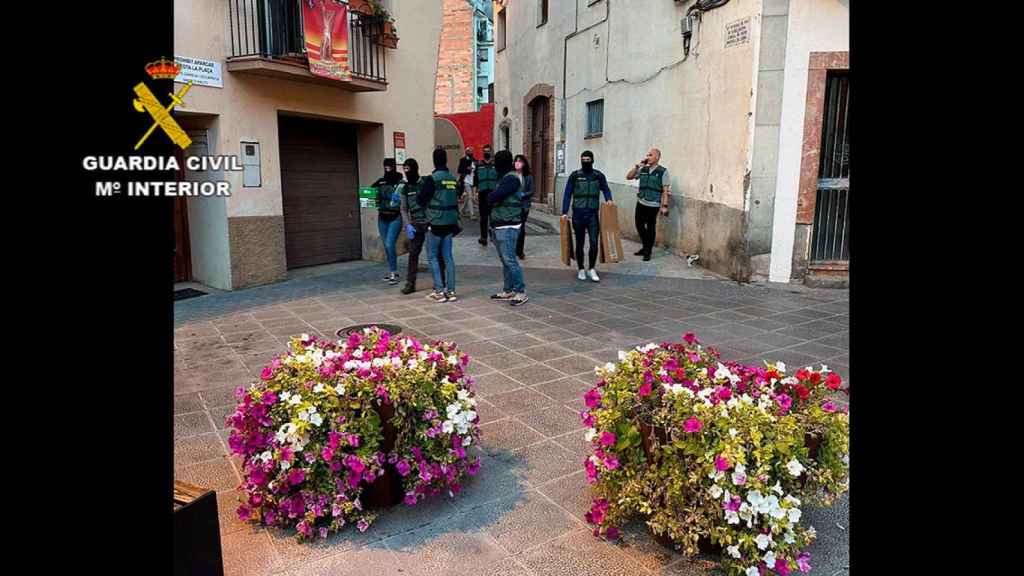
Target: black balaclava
(587, 161)
(469, 154)
(487, 154)
(503, 163)
(440, 158)
(412, 175)
(391, 176)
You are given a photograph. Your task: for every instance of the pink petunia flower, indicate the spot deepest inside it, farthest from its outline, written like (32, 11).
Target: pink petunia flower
(267, 373)
(693, 424)
(802, 562)
(829, 407)
(588, 419)
(607, 439)
(721, 464)
(592, 398)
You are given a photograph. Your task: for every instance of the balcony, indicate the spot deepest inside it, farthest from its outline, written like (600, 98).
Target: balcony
(267, 40)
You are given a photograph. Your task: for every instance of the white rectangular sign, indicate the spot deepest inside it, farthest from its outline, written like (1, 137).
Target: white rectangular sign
(200, 72)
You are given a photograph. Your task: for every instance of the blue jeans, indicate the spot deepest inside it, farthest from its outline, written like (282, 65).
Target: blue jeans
(389, 235)
(505, 241)
(441, 246)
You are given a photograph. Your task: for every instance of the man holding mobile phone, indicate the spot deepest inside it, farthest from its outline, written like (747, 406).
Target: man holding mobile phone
(652, 198)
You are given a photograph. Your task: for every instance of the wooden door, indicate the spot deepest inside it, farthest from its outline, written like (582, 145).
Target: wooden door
(320, 188)
(540, 145)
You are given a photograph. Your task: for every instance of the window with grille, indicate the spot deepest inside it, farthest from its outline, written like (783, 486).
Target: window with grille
(595, 118)
(830, 240)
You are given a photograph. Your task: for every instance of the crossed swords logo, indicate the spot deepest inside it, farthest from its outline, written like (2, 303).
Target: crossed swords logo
(147, 102)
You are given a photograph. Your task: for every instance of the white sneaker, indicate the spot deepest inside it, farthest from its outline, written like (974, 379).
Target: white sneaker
(594, 276)
(581, 275)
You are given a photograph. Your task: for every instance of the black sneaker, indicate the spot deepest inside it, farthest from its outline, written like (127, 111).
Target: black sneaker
(482, 241)
(503, 296)
(450, 297)
(521, 256)
(408, 288)
(639, 252)
(393, 279)
(647, 257)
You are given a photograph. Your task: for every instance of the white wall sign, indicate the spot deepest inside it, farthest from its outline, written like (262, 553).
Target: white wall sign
(737, 33)
(200, 72)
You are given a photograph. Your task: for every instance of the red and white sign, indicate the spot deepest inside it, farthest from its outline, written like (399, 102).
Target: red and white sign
(399, 147)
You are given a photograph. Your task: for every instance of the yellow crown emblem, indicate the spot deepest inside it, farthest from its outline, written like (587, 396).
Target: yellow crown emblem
(163, 69)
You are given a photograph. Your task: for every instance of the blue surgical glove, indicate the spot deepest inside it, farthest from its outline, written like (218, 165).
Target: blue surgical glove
(410, 230)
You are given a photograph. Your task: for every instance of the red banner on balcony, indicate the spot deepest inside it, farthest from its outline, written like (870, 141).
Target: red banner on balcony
(325, 23)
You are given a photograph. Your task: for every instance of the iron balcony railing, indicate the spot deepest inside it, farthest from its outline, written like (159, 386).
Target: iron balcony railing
(273, 29)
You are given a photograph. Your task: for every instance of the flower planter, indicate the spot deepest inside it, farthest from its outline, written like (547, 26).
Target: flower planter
(389, 40)
(813, 443)
(386, 490)
(360, 6)
(647, 433)
(704, 545)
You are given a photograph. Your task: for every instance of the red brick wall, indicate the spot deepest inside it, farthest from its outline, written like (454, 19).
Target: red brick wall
(456, 62)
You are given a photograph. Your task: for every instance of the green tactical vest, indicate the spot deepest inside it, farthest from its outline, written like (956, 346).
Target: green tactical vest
(650, 184)
(585, 190)
(442, 210)
(511, 208)
(486, 177)
(388, 200)
(417, 214)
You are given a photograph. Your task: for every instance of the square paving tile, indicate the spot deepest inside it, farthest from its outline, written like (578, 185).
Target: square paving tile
(526, 522)
(564, 389)
(579, 553)
(520, 401)
(217, 475)
(247, 553)
(547, 461)
(194, 449)
(545, 352)
(507, 435)
(573, 365)
(190, 402)
(506, 360)
(191, 424)
(494, 383)
(533, 374)
(483, 348)
(223, 396)
(571, 493)
(458, 547)
(371, 559)
(553, 421)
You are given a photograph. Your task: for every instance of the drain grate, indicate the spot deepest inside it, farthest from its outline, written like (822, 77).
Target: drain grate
(393, 329)
(186, 293)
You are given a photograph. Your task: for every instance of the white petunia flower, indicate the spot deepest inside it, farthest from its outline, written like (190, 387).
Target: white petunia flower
(467, 440)
(777, 488)
(471, 401)
(794, 515)
(304, 415)
(791, 500)
(734, 551)
(295, 400)
(448, 426)
(752, 571)
(609, 367)
(763, 540)
(811, 531)
(789, 538)
(732, 517)
(318, 388)
(846, 460)
(716, 491)
(377, 362)
(795, 467)
(316, 419)
(358, 352)
(340, 389)
(350, 365)
(590, 434)
(470, 415)
(453, 360)
(285, 396)
(413, 363)
(266, 456)
(769, 559)
(781, 366)
(463, 394)
(396, 362)
(423, 355)
(733, 432)
(285, 464)
(622, 355)
(755, 498)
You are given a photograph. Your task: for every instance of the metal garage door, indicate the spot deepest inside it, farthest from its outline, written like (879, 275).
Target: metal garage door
(320, 188)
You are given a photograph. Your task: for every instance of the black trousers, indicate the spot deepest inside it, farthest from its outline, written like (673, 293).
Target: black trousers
(521, 242)
(415, 247)
(485, 213)
(581, 226)
(646, 223)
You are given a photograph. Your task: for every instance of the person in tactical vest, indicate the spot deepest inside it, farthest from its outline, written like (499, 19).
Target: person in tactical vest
(485, 178)
(439, 194)
(465, 172)
(389, 222)
(652, 197)
(506, 222)
(414, 219)
(581, 192)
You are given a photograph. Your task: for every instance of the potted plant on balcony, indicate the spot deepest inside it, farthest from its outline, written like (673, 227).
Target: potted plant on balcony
(332, 428)
(715, 455)
(362, 6)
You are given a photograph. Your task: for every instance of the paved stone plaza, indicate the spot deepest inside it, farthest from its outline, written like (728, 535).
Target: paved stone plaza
(523, 513)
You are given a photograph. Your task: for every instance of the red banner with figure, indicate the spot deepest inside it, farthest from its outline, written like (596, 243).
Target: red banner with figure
(325, 23)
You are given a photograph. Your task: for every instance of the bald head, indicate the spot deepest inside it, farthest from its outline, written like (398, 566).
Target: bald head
(653, 156)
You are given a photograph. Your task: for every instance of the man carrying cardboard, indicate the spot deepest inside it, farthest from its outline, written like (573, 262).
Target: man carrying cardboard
(581, 192)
